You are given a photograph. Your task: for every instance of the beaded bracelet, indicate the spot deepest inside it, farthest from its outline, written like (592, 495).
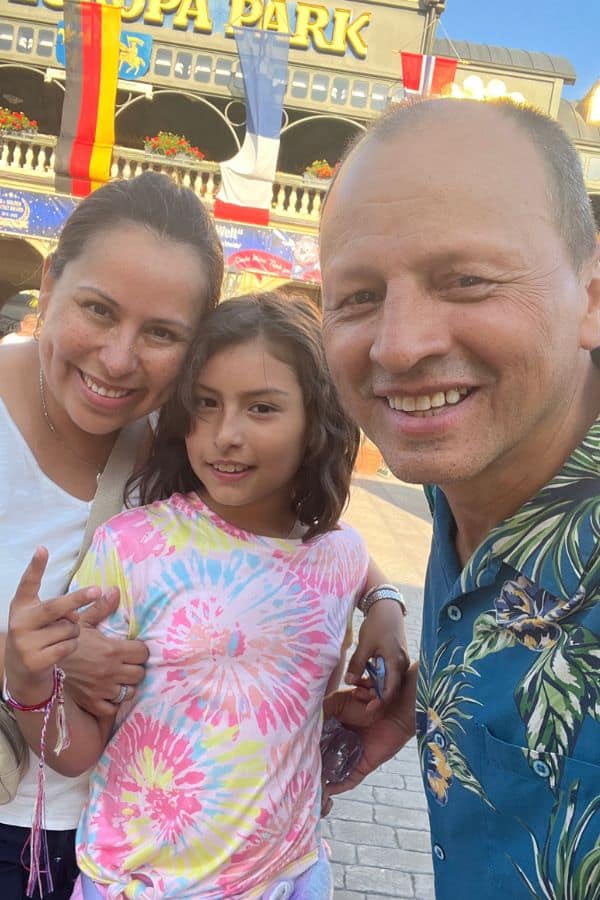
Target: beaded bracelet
(381, 592)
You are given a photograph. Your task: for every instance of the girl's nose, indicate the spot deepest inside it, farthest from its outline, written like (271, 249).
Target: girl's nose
(228, 432)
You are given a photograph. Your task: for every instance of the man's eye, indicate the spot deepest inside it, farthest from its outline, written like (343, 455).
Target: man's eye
(361, 298)
(468, 281)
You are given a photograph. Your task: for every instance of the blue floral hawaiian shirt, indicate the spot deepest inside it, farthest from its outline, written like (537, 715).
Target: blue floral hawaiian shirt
(508, 704)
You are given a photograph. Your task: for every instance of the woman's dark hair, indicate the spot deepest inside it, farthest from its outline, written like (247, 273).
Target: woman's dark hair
(291, 327)
(153, 201)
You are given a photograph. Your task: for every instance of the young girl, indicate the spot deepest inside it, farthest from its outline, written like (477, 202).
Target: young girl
(241, 582)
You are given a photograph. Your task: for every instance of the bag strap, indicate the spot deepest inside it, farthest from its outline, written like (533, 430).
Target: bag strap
(108, 499)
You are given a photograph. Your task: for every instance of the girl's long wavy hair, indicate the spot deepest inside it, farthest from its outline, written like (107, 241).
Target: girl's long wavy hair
(291, 328)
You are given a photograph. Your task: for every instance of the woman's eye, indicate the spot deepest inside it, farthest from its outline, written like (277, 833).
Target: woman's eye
(162, 334)
(262, 408)
(98, 309)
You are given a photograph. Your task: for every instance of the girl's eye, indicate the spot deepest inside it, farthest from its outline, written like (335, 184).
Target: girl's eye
(205, 403)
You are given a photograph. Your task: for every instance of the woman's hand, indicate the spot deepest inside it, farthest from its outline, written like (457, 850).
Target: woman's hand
(101, 665)
(40, 635)
(382, 634)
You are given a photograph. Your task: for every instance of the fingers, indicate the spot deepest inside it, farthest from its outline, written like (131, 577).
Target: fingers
(131, 675)
(61, 608)
(29, 586)
(396, 665)
(104, 605)
(134, 653)
(356, 666)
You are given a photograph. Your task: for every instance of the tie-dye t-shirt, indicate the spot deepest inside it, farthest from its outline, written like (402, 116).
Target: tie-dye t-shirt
(210, 785)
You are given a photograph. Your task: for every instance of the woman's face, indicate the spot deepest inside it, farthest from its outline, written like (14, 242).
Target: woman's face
(117, 323)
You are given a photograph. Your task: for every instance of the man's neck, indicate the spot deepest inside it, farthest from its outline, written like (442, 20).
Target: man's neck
(478, 505)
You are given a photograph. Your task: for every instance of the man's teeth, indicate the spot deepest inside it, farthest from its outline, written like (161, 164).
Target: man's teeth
(229, 467)
(423, 402)
(102, 391)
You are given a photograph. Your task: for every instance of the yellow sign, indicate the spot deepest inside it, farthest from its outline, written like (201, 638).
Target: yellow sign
(327, 30)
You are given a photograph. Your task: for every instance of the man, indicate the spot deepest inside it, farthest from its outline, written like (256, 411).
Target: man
(461, 289)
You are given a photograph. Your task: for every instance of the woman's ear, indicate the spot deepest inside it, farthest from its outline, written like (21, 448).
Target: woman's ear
(46, 287)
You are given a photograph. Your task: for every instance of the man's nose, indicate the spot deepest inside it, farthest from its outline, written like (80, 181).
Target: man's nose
(412, 325)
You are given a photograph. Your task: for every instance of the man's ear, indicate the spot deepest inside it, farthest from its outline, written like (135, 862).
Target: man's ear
(46, 287)
(590, 326)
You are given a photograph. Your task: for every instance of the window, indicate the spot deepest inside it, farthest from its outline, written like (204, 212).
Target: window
(339, 91)
(183, 65)
(25, 39)
(360, 93)
(6, 36)
(320, 88)
(45, 42)
(163, 61)
(379, 96)
(203, 68)
(223, 71)
(299, 84)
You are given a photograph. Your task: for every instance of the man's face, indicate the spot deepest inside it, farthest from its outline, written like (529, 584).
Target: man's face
(454, 322)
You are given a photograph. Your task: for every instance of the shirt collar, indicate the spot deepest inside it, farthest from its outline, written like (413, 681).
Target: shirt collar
(552, 537)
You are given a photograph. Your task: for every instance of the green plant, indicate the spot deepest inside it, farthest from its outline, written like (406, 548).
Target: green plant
(165, 143)
(16, 122)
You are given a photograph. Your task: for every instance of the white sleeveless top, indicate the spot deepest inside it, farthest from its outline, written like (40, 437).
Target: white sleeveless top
(33, 511)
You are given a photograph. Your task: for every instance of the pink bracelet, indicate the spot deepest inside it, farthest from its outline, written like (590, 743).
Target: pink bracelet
(37, 707)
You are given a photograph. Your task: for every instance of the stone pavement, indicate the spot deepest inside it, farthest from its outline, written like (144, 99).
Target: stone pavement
(379, 833)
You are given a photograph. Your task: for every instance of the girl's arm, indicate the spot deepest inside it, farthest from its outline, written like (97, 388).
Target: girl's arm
(40, 636)
(382, 634)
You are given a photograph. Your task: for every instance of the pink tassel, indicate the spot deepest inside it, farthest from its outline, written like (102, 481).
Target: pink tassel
(39, 856)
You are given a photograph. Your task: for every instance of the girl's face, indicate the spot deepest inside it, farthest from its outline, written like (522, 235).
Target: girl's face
(117, 323)
(248, 439)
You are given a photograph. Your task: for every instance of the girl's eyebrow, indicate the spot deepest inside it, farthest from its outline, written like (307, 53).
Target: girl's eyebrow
(258, 392)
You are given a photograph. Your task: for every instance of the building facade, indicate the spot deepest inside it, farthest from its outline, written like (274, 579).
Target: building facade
(179, 72)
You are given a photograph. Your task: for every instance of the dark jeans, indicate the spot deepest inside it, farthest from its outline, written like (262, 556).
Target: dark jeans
(13, 875)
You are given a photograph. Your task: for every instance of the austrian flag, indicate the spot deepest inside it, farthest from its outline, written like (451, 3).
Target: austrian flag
(426, 76)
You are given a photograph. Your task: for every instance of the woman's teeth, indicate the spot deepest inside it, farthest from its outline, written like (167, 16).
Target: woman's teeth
(102, 391)
(426, 402)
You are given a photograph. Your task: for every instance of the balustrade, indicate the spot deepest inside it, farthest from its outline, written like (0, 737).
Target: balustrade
(28, 160)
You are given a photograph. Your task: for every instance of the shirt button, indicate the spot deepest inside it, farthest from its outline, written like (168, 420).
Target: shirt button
(439, 851)
(541, 768)
(454, 613)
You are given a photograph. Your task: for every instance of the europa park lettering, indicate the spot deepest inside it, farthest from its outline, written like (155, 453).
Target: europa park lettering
(328, 30)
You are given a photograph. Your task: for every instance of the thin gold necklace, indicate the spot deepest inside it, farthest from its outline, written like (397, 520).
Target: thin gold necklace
(52, 428)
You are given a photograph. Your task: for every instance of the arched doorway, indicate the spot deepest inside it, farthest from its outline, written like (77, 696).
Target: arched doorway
(23, 89)
(20, 267)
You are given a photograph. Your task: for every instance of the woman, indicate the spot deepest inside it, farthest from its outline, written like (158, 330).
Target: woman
(137, 265)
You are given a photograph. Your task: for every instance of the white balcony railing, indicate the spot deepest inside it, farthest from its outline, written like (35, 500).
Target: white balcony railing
(28, 160)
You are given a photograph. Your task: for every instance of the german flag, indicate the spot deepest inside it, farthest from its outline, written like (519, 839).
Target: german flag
(87, 129)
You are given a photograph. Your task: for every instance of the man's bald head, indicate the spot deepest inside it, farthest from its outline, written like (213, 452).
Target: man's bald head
(568, 201)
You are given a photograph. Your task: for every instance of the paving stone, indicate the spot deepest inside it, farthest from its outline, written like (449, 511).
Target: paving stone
(342, 852)
(353, 810)
(424, 887)
(402, 818)
(398, 860)
(382, 881)
(364, 833)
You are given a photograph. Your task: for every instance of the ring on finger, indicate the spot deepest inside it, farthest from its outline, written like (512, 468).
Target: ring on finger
(122, 695)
